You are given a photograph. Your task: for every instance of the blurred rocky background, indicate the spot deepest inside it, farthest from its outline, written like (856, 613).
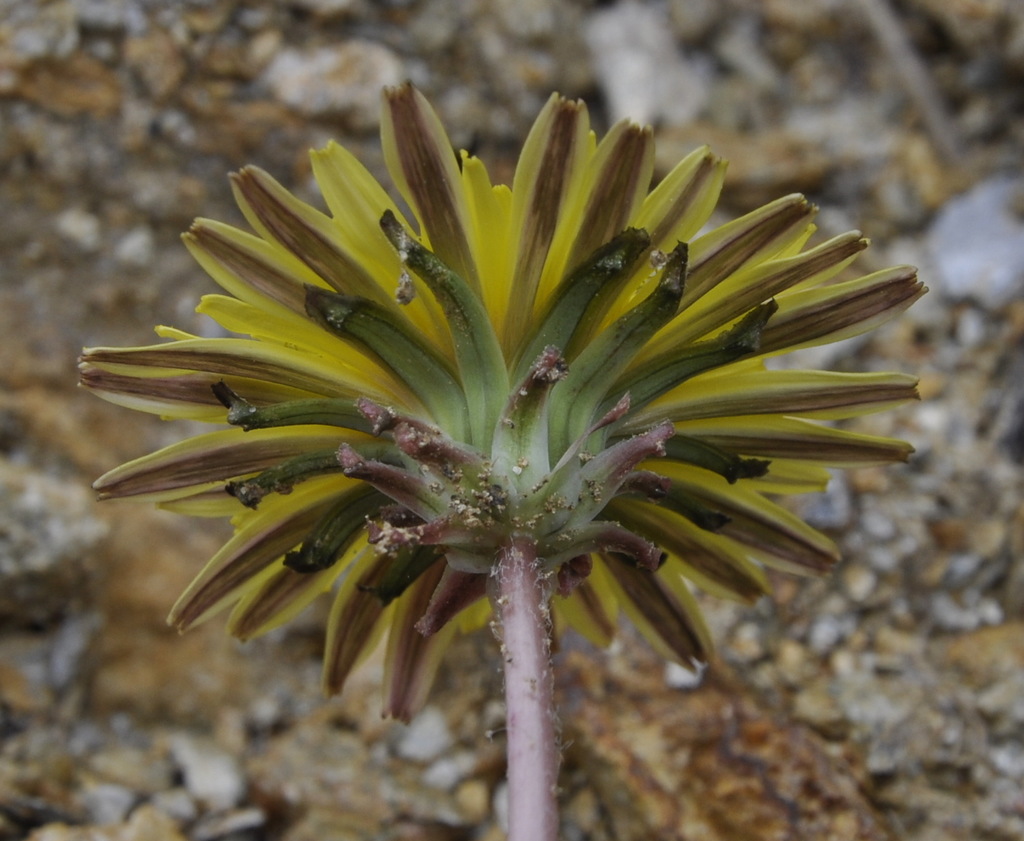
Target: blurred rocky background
(886, 702)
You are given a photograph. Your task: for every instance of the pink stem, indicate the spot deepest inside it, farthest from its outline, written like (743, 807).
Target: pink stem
(522, 606)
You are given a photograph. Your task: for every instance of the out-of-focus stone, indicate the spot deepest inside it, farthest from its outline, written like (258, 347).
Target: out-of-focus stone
(146, 770)
(79, 226)
(340, 81)
(992, 27)
(644, 77)
(210, 775)
(528, 18)
(975, 243)
(80, 85)
(816, 705)
(708, 763)
(234, 823)
(48, 530)
(327, 764)
(147, 667)
(761, 167)
(135, 249)
(209, 17)
(694, 19)
(145, 824)
(327, 9)
(157, 59)
(37, 31)
(425, 738)
(108, 803)
(987, 654)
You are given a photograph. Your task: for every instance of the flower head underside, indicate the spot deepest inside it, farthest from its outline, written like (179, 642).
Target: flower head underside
(569, 359)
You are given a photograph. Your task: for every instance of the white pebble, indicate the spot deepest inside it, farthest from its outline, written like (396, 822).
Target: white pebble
(345, 79)
(79, 227)
(135, 250)
(975, 244)
(211, 775)
(426, 737)
(644, 76)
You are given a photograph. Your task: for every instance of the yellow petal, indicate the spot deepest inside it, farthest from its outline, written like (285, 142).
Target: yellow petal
(357, 202)
(421, 161)
(546, 200)
(683, 202)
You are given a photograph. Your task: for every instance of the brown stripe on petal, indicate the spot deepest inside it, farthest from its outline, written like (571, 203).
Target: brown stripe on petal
(174, 467)
(277, 594)
(218, 585)
(545, 195)
(194, 389)
(412, 659)
(667, 620)
(777, 539)
(766, 282)
(305, 232)
(774, 534)
(619, 185)
(352, 626)
(187, 389)
(430, 171)
(791, 438)
(589, 603)
(455, 592)
(258, 365)
(689, 196)
(822, 393)
(820, 316)
(779, 546)
(719, 253)
(257, 270)
(715, 565)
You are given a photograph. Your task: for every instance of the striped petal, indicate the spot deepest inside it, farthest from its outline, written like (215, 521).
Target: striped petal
(260, 539)
(306, 233)
(683, 202)
(620, 174)
(423, 164)
(357, 620)
(547, 178)
(842, 310)
(712, 562)
(412, 659)
(212, 459)
(792, 438)
(827, 395)
(663, 609)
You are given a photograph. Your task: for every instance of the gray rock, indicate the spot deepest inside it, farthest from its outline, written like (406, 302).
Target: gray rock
(211, 775)
(644, 76)
(344, 80)
(976, 243)
(108, 802)
(47, 529)
(426, 737)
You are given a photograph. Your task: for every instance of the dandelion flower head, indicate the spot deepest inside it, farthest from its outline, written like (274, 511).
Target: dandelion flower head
(571, 359)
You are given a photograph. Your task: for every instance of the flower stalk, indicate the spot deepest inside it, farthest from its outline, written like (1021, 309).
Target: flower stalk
(522, 594)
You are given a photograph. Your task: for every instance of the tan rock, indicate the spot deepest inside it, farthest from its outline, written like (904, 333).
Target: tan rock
(157, 60)
(145, 824)
(79, 85)
(709, 764)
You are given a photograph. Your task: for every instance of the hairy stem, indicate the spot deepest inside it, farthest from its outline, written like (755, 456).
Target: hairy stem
(522, 609)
